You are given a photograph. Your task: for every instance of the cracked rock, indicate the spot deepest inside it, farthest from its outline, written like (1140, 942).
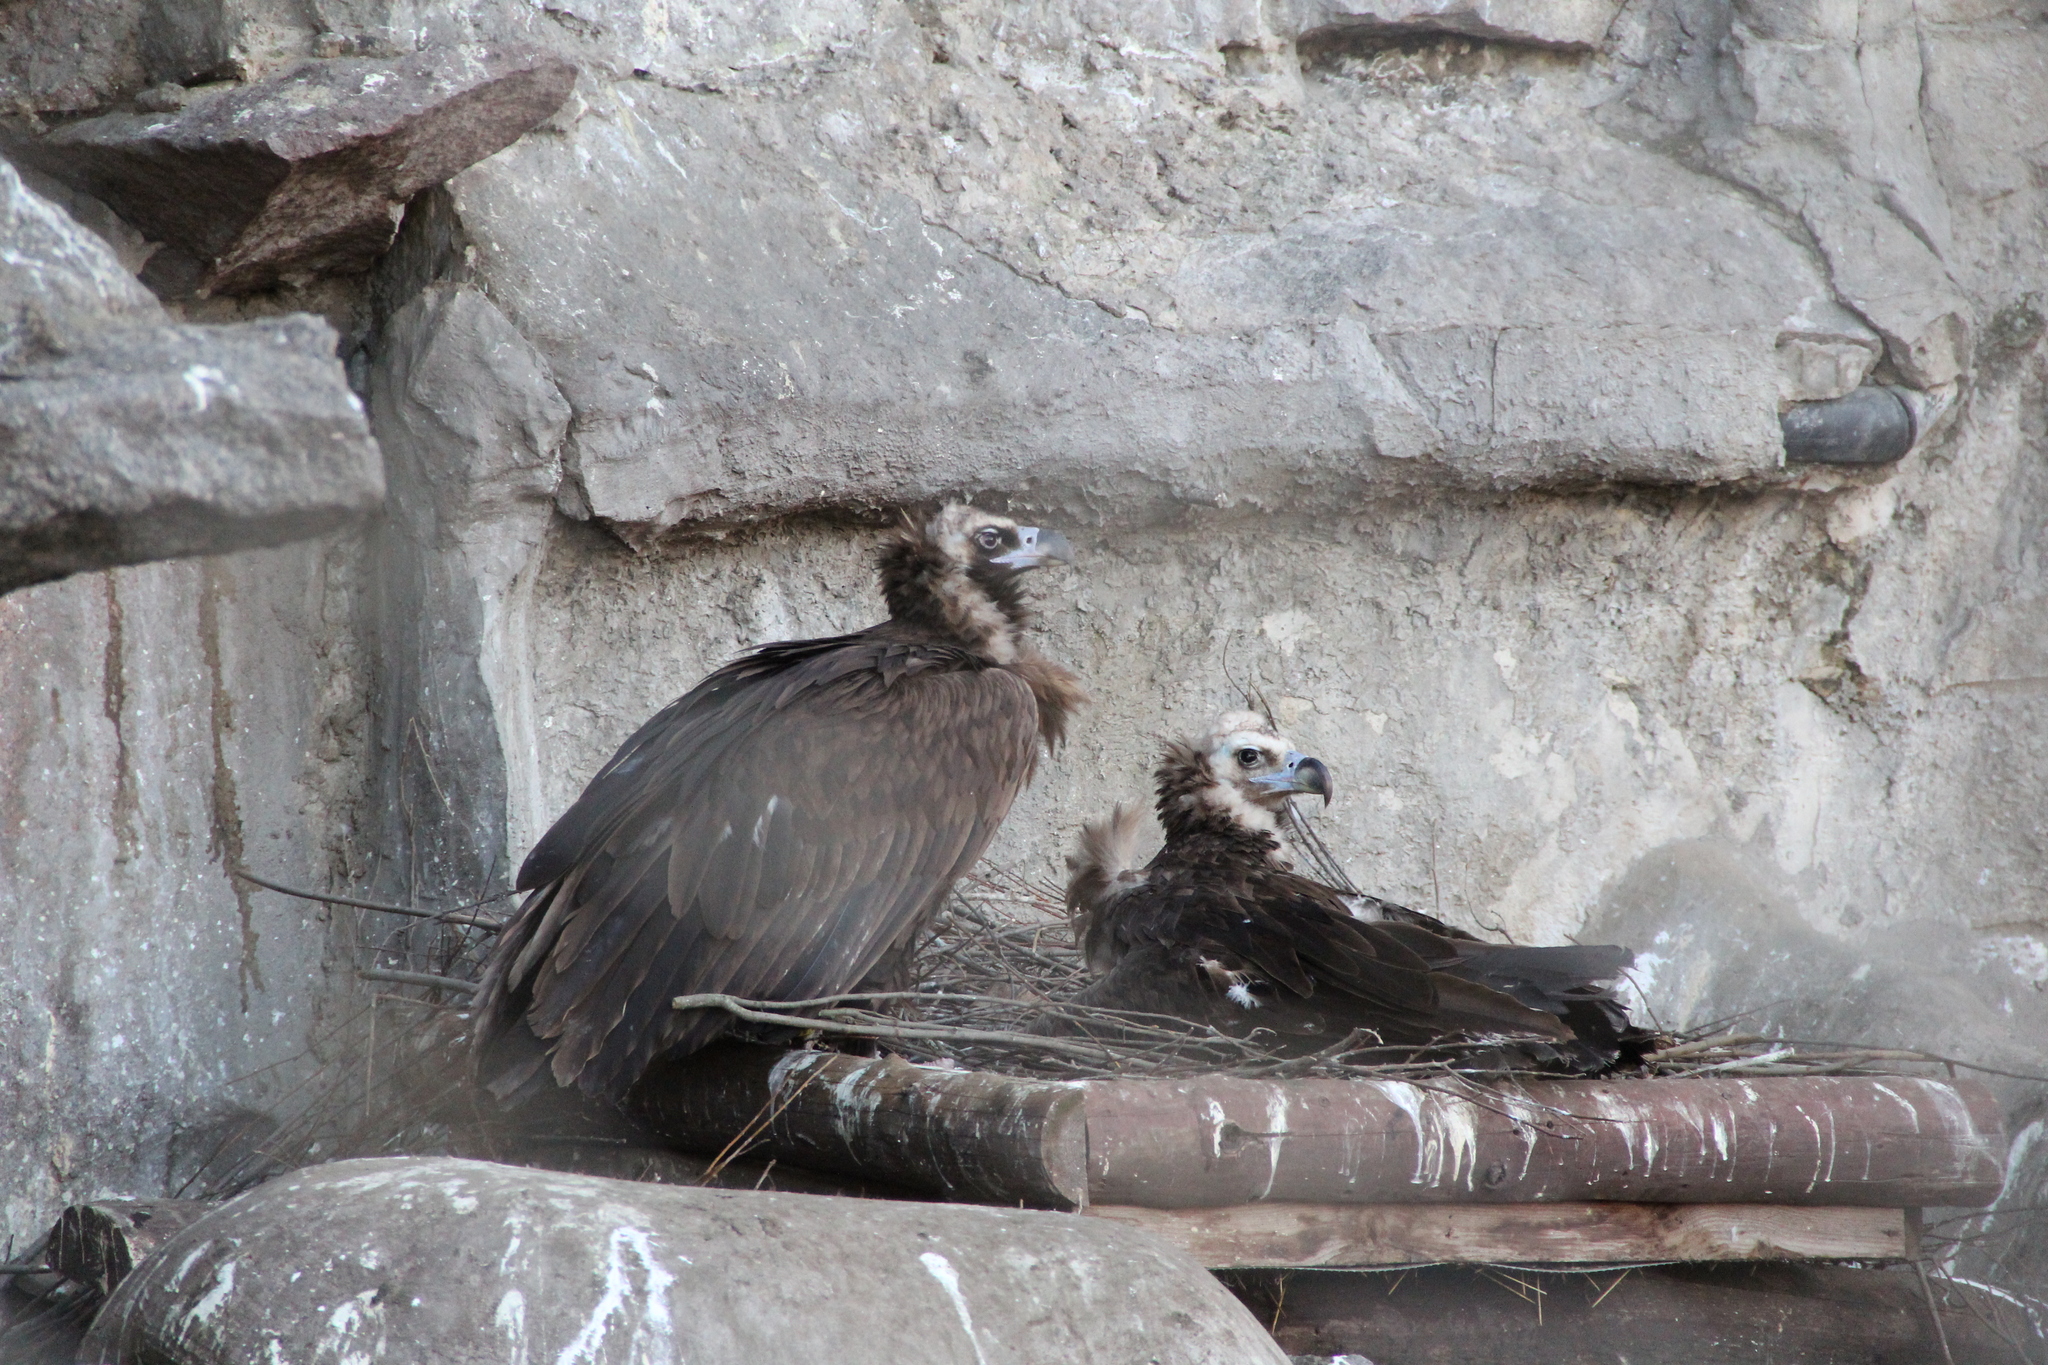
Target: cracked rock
(125, 437)
(1540, 23)
(308, 173)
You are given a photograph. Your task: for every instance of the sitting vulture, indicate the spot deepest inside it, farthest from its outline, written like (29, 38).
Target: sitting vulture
(1219, 929)
(786, 828)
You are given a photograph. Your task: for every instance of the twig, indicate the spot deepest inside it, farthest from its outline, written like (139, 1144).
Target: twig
(444, 983)
(743, 1141)
(753, 1012)
(1934, 1311)
(448, 916)
(1612, 1287)
(1706, 1045)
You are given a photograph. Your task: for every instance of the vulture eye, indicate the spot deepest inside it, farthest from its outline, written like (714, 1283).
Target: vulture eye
(1250, 758)
(989, 538)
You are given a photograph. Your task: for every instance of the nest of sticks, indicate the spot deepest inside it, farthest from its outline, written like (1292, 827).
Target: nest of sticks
(391, 1075)
(1003, 959)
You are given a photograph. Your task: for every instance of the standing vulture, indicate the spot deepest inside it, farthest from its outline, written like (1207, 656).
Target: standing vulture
(1221, 930)
(786, 828)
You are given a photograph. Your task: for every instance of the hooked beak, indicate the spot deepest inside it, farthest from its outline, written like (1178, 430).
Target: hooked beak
(1299, 775)
(1036, 546)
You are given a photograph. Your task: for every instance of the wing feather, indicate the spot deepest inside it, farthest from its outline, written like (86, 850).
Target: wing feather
(772, 834)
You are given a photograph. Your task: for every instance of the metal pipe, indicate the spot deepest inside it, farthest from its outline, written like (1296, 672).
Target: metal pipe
(1868, 426)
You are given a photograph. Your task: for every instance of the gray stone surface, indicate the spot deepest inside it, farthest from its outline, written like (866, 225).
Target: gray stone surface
(126, 437)
(163, 721)
(469, 1261)
(1818, 108)
(307, 172)
(473, 429)
(1251, 310)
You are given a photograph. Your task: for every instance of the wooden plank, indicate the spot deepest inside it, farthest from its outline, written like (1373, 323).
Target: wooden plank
(1337, 1236)
(1217, 1141)
(1734, 1313)
(963, 1135)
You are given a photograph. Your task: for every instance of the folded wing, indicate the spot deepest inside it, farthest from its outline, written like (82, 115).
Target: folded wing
(773, 834)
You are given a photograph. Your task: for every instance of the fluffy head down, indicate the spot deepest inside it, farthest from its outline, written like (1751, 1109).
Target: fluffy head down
(1240, 776)
(957, 577)
(945, 574)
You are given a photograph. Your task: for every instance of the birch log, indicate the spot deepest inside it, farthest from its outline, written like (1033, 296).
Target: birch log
(965, 1135)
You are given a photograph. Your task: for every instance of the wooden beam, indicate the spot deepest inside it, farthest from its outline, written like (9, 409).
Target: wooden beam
(1734, 1313)
(1338, 1236)
(1873, 1141)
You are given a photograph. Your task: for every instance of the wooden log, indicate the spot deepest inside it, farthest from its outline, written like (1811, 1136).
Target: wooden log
(1338, 1236)
(1216, 1141)
(97, 1244)
(88, 1252)
(962, 1135)
(1872, 1141)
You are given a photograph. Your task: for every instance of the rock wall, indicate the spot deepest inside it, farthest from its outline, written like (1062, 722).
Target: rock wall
(1418, 367)
(163, 722)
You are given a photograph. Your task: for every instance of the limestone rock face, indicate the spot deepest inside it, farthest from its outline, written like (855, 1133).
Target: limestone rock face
(374, 1260)
(127, 437)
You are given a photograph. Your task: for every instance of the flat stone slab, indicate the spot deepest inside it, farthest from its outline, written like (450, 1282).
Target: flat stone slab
(451, 1260)
(125, 437)
(308, 173)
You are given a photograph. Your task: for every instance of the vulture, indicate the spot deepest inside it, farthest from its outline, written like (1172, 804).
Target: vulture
(1220, 929)
(787, 828)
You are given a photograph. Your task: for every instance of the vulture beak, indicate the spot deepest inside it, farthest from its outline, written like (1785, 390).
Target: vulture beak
(1299, 774)
(1036, 547)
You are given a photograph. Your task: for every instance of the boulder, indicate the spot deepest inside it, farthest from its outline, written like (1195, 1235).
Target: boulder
(451, 1260)
(126, 437)
(307, 173)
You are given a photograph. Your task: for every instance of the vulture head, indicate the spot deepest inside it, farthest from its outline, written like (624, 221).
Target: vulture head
(1242, 773)
(1259, 763)
(960, 572)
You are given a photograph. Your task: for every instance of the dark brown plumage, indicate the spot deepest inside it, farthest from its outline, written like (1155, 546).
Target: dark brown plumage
(786, 828)
(1219, 929)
